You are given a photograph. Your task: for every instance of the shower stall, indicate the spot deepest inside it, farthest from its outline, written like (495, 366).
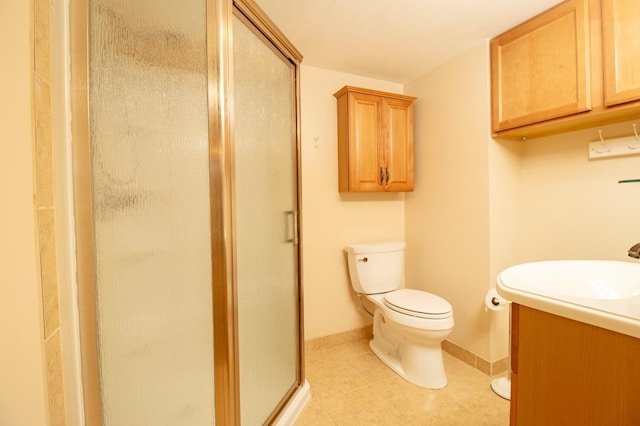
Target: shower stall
(185, 147)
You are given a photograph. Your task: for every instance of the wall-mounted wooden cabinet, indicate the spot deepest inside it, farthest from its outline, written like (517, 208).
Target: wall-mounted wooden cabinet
(540, 69)
(621, 43)
(571, 67)
(375, 141)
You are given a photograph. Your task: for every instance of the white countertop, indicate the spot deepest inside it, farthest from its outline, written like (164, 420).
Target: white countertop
(598, 292)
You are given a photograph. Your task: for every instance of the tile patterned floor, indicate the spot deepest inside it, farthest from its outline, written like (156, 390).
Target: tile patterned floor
(351, 386)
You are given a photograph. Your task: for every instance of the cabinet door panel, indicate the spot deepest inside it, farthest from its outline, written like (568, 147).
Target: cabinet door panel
(573, 373)
(397, 125)
(364, 160)
(620, 23)
(540, 69)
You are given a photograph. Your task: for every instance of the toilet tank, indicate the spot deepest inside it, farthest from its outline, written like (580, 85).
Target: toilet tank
(376, 268)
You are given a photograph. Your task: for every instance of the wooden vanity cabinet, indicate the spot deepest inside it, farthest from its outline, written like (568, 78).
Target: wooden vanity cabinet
(572, 67)
(375, 141)
(566, 372)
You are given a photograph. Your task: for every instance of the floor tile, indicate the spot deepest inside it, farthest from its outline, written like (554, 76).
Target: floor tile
(351, 386)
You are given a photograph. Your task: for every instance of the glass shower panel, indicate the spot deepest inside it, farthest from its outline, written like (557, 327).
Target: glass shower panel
(265, 179)
(151, 224)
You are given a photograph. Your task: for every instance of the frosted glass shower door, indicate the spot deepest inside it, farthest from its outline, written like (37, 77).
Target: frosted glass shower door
(266, 223)
(149, 148)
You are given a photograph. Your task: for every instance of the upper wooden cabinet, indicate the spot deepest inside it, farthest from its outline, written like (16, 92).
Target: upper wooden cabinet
(375, 141)
(621, 41)
(539, 69)
(571, 67)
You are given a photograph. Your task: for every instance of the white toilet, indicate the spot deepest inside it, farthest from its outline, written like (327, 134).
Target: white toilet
(408, 325)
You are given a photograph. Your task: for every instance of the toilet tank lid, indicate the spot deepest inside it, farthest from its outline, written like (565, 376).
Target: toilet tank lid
(375, 247)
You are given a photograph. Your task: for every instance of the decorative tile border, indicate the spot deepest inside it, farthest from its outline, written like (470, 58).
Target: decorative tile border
(339, 338)
(487, 367)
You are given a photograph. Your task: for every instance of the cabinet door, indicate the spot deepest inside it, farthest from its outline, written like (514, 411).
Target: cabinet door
(573, 373)
(365, 172)
(539, 69)
(397, 129)
(620, 23)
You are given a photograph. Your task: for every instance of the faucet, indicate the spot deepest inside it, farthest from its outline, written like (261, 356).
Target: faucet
(635, 251)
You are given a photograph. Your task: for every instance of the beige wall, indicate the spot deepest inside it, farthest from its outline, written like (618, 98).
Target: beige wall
(332, 220)
(573, 207)
(22, 386)
(505, 158)
(447, 217)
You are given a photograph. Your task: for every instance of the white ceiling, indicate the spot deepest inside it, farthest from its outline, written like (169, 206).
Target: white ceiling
(393, 40)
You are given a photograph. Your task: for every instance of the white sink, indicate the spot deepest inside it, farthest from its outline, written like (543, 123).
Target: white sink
(603, 293)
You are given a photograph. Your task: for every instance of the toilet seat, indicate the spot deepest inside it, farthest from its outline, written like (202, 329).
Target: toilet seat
(418, 303)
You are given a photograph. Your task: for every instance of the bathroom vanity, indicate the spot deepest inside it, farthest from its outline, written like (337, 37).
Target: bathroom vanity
(575, 342)
(566, 372)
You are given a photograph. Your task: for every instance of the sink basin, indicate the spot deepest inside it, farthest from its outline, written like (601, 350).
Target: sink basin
(604, 293)
(592, 279)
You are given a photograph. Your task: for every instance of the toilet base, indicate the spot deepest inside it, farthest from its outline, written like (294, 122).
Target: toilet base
(421, 365)
(415, 355)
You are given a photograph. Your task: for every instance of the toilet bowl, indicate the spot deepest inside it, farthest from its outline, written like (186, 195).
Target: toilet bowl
(408, 325)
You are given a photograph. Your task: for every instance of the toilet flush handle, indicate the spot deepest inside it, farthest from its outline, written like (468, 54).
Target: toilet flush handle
(364, 259)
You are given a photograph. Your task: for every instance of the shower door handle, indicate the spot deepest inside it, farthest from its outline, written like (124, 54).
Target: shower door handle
(291, 226)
